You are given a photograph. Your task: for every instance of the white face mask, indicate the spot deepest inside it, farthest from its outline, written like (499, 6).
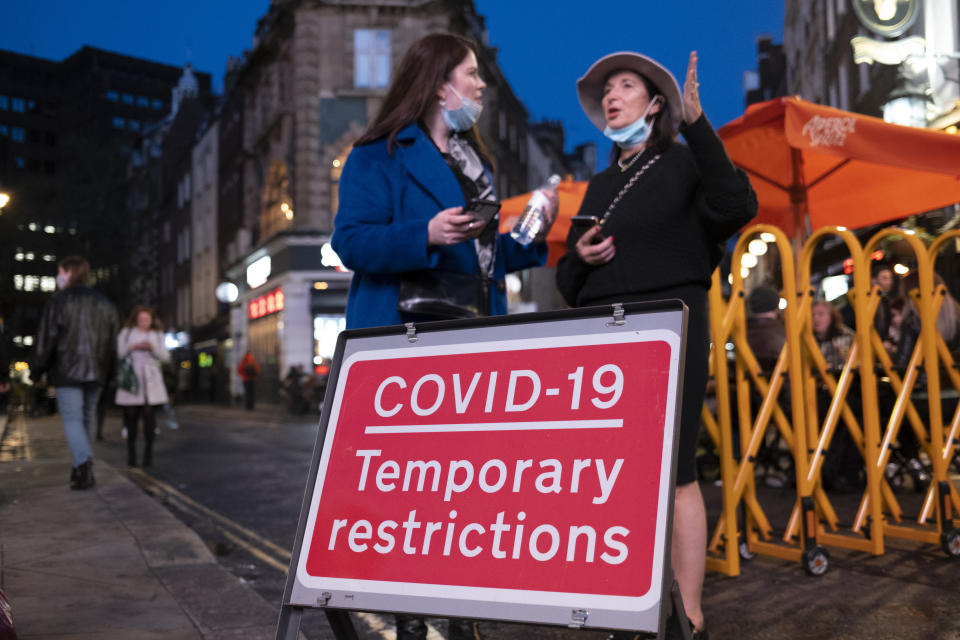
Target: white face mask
(63, 279)
(635, 133)
(463, 118)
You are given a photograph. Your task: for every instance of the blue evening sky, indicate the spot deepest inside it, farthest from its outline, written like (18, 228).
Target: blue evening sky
(543, 46)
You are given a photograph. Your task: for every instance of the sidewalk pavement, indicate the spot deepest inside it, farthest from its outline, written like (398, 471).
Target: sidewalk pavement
(108, 563)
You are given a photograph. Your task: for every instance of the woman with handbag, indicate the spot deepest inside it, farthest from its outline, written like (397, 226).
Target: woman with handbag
(663, 210)
(140, 387)
(404, 224)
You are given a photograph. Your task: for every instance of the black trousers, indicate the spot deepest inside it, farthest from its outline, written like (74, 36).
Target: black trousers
(695, 366)
(248, 389)
(131, 418)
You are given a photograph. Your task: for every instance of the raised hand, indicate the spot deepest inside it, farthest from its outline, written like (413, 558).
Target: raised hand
(691, 93)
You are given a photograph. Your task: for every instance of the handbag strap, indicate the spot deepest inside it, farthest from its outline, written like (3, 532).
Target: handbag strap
(626, 187)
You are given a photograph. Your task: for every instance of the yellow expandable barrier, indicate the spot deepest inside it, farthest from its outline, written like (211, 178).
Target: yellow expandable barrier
(800, 371)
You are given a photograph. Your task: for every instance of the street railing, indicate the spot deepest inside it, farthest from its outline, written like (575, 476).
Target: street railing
(761, 409)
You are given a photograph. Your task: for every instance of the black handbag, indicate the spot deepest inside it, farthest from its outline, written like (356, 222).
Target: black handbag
(445, 295)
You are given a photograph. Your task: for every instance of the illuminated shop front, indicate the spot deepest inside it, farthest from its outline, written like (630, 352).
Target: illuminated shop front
(290, 311)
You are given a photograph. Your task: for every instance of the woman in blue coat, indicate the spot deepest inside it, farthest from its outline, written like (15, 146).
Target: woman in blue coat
(404, 188)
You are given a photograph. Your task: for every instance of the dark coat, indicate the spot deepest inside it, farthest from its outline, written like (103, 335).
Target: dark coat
(380, 232)
(76, 340)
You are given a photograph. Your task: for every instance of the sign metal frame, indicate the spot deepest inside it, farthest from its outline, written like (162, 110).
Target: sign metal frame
(608, 324)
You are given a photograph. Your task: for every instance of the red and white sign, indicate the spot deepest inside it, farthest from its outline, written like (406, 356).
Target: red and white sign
(533, 471)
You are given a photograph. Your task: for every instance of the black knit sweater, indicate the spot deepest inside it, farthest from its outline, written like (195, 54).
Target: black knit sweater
(668, 226)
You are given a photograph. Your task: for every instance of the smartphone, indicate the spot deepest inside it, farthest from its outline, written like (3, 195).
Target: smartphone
(482, 211)
(584, 223)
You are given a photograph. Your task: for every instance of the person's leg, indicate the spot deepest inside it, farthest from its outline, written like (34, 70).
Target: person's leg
(410, 627)
(149, 431)
(131, 415)
(91, 398)
(688, 556)
(463, 629)
(72, 412)
(101, 414)
(248, 393)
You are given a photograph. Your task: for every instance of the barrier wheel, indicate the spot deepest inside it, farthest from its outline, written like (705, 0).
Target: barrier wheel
(816, 561)
(744, 549)
(950, 541)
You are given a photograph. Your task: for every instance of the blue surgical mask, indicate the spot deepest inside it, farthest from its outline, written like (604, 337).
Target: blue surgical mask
(635, 133)
(463, 118)
(63, 280)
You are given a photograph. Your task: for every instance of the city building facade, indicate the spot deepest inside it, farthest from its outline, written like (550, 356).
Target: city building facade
(67, 130)
(311, 84)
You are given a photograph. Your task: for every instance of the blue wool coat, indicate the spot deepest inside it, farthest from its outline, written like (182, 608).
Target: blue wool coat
(380, 230)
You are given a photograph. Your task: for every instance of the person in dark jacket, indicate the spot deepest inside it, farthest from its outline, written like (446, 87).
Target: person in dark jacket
(249, 371)
(6, 357)
(765, 330)
(666, 208)
(75, 349)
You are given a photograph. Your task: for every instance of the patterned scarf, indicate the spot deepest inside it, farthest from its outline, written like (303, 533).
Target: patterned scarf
(476, 184)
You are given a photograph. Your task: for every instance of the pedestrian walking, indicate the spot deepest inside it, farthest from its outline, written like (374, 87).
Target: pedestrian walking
(6, 361)
(140, 343)
(75, 348)
(666, 210)
(402, 225)
(249, 371)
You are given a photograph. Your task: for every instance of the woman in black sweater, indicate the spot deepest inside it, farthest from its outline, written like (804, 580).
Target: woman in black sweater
(665, 210)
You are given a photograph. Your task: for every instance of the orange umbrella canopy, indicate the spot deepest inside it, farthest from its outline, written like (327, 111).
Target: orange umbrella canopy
(571, 195)
(838, 167)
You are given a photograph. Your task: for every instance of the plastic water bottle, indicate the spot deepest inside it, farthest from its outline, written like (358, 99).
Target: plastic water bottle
(531, 220)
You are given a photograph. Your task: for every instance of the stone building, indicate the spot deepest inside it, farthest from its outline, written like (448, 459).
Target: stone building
(67, 133)
(312, 82)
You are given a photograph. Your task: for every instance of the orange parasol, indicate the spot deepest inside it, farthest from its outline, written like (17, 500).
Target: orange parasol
(571, 195)
(818, 165)
(833, 167)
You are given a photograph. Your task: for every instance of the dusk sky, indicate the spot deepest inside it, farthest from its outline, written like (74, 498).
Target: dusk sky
(544, 46)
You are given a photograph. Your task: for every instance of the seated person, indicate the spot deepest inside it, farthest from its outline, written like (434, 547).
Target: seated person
(833, 337)
(765, 330)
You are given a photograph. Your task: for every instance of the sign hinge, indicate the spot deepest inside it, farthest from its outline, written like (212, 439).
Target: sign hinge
(324, 599)
(411, 332)
(578, 618)
(618, 316)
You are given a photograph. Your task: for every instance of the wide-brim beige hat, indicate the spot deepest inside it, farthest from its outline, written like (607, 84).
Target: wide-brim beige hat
(590, 86)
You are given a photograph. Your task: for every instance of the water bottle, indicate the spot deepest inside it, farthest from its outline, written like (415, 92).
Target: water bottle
(531, 220)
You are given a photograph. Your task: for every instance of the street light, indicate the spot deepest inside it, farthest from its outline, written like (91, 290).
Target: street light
(4, 199)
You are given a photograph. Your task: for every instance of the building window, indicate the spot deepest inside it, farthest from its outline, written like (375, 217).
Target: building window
(18, 282)
(143, 101)
(20, 162)
(133, 125)
(156, 104)
(18, 105)
(30, 283)
(17, 134)
(126, 98)
(371, 56)
(113, 96)
(48, 283)
(119, 122)
(4, 103)
(4, 131)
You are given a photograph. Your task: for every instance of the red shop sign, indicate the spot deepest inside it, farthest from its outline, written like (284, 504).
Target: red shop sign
(266, 304)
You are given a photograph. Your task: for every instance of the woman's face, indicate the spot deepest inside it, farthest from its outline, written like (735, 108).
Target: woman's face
(625, 99)
(822, 317)
(144, 320)
(465, 78)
